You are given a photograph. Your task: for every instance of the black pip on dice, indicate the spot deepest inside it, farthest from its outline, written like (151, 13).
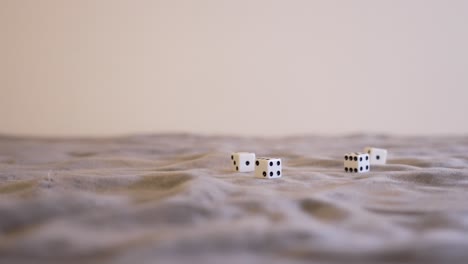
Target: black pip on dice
(268, 168)
(356, 162)
(243, 161)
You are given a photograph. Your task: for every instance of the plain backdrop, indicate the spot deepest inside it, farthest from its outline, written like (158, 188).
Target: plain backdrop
(248, 67)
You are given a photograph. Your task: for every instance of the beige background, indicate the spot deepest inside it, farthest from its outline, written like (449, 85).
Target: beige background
(241, 67)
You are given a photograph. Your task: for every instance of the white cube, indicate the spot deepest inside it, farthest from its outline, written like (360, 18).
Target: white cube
(268, 168)
(356, 162)
(243, 161)
(377, 156)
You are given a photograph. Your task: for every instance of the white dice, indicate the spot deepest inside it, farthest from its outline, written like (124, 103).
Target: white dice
(377, 156)
(356, 162)
(268, 168)
(243, 161)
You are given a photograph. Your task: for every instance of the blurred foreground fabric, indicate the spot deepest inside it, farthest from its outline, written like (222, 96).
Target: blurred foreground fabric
(172, 198)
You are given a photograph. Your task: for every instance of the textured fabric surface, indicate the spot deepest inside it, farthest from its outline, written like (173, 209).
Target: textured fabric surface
(174, 199)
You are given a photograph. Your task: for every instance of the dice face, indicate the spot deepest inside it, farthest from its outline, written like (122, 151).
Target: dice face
(268, 168)
(356, 162)
(243, 161)
(377, 156)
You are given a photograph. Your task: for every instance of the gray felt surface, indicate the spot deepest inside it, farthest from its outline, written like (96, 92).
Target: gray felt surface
(173, 199)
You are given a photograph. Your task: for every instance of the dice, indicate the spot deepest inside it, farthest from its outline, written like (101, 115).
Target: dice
(377, 156)
(243, 161)
(356, 162)
(269, 168)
